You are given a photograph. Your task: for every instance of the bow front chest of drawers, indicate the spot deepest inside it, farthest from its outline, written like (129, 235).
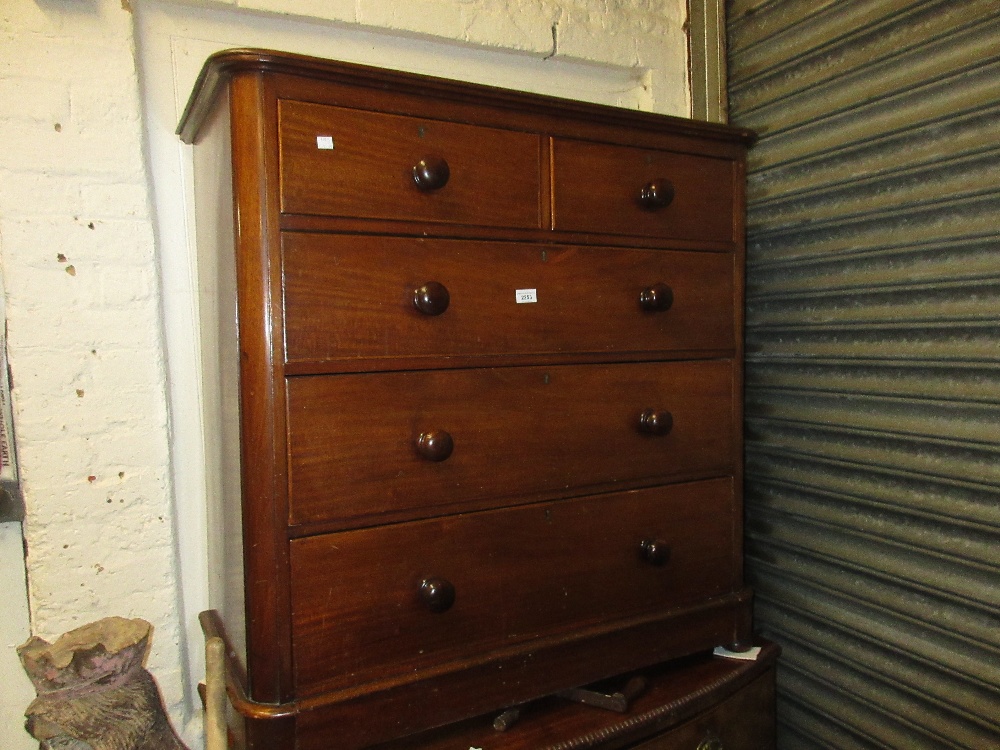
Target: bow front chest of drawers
(473, 369)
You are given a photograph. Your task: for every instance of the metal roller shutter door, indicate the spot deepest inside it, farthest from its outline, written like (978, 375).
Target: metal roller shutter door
(873, 364)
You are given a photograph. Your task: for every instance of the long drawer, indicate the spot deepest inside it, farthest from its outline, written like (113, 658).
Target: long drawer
(368, 447)
(610, 189)
(350, 163)
(350, 298)
(387, 602)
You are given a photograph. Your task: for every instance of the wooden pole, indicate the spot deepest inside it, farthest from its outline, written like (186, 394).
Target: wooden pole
(215, 695)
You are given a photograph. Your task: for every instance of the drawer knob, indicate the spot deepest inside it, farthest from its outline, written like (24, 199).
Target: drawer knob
(432, 298)
(438, 594)
(436, 445)
(711, 742)
(431, 173)
(656, 422)
(654, 551)
(656, 194)
(656, 298)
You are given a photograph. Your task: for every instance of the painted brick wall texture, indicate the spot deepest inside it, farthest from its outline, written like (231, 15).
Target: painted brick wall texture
(82, 291)
(628, 33)
(84, 325)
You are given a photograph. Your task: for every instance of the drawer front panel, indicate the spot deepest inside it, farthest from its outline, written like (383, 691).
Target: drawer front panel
(365, 166)
(744, 721)
(516, 574)
(409, 444)
(358, 611)
(597, 188)
(350, 298)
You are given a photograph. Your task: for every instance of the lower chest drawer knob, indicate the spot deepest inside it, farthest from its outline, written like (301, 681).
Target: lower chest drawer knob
(432, 298)
(438, 594)
(431, 173)
(656, 298)
(656, 194)
(656, 422)
(436, 445)
(656, 552)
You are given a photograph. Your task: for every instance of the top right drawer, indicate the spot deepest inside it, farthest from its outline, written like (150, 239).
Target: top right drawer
(610, 189)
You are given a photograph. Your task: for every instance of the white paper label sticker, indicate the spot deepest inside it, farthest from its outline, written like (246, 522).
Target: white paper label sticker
(524, 296)
(324, 142)
(750, 655)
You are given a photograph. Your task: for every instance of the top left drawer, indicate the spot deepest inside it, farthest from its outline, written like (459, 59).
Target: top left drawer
(352, 163)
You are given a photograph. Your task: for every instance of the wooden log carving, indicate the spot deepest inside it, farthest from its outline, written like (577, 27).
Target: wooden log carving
(93, 691)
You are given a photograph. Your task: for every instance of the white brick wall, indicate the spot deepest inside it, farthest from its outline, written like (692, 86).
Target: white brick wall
(84, 325)
(81, 274)
(645, 34)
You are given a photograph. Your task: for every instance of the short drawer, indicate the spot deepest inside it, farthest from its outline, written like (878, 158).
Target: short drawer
(350, 298)
(632, 191)
(403, 445)
(352, 163)
(382, 603)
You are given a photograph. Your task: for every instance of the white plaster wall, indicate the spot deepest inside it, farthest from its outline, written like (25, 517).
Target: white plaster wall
(14, 630)
(84, 325)
(644, 36)
(100, 274)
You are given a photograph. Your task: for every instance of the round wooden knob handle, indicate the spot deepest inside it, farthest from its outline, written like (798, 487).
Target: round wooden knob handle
(435, 446)
(432, 298)
(656, 194)
(654, 551)
(431, 173)
(438, 594)
(656, 422)
(656, 298)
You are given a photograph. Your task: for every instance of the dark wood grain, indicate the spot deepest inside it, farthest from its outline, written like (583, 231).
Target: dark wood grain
(493, 174)
(350, 297)
(425, 229)
(221, 66)
(517, 433)
(744, 721)
(517, 574)
(597, 188)
(511, 677)
(685, 701)
(262, 433)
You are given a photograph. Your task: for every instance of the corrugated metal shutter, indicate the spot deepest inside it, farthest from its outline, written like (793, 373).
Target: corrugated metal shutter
(873, 372)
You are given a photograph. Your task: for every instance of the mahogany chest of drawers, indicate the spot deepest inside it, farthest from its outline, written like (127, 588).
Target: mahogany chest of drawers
(474, 375)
